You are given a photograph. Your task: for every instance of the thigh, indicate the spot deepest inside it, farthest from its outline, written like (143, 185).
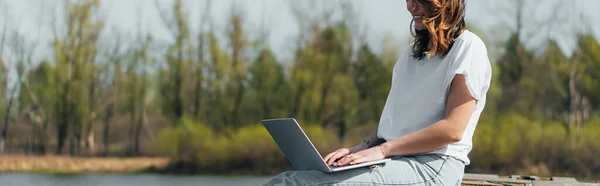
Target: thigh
(358, 176)
(414, 170)
(430, 169)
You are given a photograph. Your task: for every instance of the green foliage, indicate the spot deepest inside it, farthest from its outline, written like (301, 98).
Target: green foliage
(541, 112)
(268, 86)
(248, 148)
(74, 58)
(587, 58)
(515, 144)
(372, 79)
(188, 140)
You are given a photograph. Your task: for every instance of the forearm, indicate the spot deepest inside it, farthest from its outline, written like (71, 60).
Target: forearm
(370, 141)
(423, 141)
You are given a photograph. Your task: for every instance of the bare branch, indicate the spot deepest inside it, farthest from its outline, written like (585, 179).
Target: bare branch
(2, 42)
(264, 33)
(33, 98)
(500, 13)
(559, 18)
(165, 19)
(115, 55)
(206, 16)
(55, 21)
(140, 13)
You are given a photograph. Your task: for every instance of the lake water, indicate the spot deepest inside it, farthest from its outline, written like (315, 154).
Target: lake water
(125, 180)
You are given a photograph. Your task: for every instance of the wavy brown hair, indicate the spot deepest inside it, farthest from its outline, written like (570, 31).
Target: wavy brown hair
(445, 21)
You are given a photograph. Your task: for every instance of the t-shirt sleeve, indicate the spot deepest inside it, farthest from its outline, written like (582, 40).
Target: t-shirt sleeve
(472, 62)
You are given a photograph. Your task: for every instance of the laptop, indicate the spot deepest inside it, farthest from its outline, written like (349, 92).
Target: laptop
(299, 150)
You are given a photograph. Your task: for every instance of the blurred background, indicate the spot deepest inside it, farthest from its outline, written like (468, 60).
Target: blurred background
(185, 83)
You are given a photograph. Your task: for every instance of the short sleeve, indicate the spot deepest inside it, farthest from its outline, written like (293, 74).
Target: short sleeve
(472, 62)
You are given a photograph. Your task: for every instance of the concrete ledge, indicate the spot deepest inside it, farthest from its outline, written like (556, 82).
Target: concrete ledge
(495, 180)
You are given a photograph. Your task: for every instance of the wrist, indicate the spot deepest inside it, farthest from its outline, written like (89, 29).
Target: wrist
(357, 148)
(384, 148)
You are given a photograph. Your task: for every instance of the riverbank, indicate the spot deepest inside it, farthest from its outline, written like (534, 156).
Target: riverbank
(78, 165)
(117, 165)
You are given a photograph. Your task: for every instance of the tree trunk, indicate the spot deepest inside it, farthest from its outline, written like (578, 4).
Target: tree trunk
(89, 143)
(106, 133)
(178, 81)
(324, 94)
(43, 136)
(63, 119)
(4, 134)
(132, 127)
(266, 106)
(141, 120)
(178, 101)
(297, 99)
(197, 99)
(138, 131)
(573, 100)
(238, 102)
(199, 68)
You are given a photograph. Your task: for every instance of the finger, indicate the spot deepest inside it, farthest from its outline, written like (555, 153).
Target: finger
(347, 159)
(358, 161)
(335, 157)
(349, 162)
(331, 157)
(326, 159)
(341, 161)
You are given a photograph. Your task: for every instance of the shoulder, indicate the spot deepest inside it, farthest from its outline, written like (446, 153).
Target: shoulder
(469, 53)
(470, 41)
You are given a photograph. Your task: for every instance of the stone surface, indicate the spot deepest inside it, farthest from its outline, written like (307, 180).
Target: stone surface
(493, 180)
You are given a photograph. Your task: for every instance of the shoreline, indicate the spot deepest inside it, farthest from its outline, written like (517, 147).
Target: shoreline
(51, 164)
(72, 165)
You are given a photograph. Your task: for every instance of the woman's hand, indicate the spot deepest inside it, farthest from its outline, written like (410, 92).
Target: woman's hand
(340, 153)
(371, 154)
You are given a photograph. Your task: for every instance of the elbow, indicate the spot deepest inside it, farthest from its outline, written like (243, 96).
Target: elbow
(454, 137)
(454, 132)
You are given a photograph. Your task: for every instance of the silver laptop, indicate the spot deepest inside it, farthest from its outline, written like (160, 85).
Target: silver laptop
(298, 149)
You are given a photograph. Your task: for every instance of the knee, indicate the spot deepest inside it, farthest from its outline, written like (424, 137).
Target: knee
(292, 178)
(284, 178)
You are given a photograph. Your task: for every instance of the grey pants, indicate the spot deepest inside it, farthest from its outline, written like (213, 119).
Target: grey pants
(429, 169)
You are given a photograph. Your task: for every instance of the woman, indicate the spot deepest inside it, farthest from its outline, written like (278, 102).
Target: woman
(437, 95)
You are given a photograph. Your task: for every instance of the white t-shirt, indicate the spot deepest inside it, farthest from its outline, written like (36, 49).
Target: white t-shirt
(420, 89)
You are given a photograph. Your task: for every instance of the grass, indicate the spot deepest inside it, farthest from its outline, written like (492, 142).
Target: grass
(68, 165)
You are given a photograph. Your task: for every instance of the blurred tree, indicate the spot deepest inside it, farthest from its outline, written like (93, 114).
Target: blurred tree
(334, 46)
(268, 84)
(3, 87)
(201, 65)
(584, 77)
(7, 92)
(172, 78)
(373, 80)
(73, 55)
(217, 81)
(239, 64)
(39, 92)
(513, 65)
(114, 97)
(141, 58)
(552, 83)
(132, 96)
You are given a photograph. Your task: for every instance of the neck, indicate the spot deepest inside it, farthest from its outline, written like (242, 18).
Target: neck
(422, 33)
